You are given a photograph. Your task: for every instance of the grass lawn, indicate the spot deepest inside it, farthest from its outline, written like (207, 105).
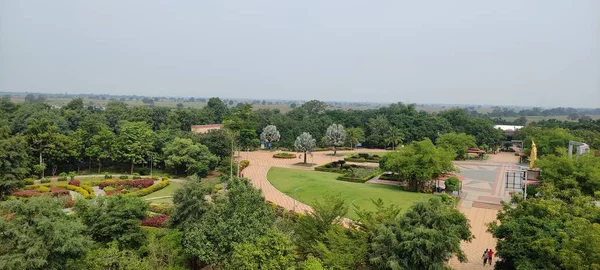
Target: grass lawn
(315, 185)
(167, 191)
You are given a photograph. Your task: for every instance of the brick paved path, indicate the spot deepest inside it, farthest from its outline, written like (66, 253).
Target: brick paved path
(483, 190)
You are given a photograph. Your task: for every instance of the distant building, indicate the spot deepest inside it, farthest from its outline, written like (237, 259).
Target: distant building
(508, 129)
(205, 128)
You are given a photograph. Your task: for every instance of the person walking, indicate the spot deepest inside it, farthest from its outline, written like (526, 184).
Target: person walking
(485, 256)
(490, 256)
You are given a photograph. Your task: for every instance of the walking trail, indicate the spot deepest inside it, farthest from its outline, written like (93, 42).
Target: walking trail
(483, 190)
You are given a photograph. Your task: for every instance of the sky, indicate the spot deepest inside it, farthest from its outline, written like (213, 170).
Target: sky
(511, 52)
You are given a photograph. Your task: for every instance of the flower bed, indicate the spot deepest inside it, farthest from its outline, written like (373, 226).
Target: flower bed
(133, 183)
(36, 190)
(75, 183)
(284, 155)
(157, 221)
(77, 189)
(339, 166)
(150, 189)
(362, 157)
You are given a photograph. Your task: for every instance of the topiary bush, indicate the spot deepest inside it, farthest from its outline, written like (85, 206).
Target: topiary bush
(62, 176)
(77, 189)
(124, 177)
(284, 155)
(45, 180)
(157, 221)
(166, 209)
(43, 189)
(136, 176)
(452, 184)
(29, 181)
(107, 176)
(74, 183)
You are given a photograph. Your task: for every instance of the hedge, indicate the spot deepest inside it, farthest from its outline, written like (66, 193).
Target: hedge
(133, 183)
(243, 164)
(341, 148)
(391, 177)
(284, 155)
(148, 190)
(77, 189)
(350, 179)
(328, 167)
(89, 189)
(166, 209)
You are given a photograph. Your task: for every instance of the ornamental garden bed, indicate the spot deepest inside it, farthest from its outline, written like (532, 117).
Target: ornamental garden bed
(285, 155)
(39, 190)
(363, 157)
(350, 172)
(391, 177)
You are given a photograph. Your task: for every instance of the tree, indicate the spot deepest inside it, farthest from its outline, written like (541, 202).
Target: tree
(274, 250)
(558, 234)
(180, 105)
(270, 134)
(112, 257)
(242, 215)
(305, 143)
(37, 234)
(394, 137)
(564, 172)
(134, 142)
(114, 218)
(378, 126)
(354, 136)
(425, 237)
(457, 143)
(14, 163)
(101, 146)
(547, 140)
(217, 140)
(311, 229)
(190, 203)
(293, 105)
(115, 112)
(452, 184)
(419, 163)
(218, 108)
(336, 136)
(183, 155)
(41, 135)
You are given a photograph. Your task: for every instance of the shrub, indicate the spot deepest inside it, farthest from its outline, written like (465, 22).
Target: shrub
(452, 184)
(74, 182)
(123, 177)
(43, 189)
(166, 209)
(391, 177)
(155, 221)
(45, 180)
(89, 189)
(142, 171)
(77, 189)
(350, 179)
(155, 178)
(25, 193)
(109, 188)
(107, 176)
(148, 190)
(133, 183)
(243, 164)
(136, 176)
(29, 181)
(62, 176)
(284, 155)
(72, 175)
(363, 155)
(447, 199)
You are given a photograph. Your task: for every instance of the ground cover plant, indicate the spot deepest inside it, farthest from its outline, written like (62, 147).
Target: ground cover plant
(313, 185)
(364, 157)
(284, 155)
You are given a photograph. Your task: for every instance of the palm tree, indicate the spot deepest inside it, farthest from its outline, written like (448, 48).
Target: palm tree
(394, 137)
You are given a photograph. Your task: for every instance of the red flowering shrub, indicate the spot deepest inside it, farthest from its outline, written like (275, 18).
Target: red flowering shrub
(54, 192)
(113, 192)
(74, 182)
(155, 221)
(69, 203)
(144, 183)
(26, 193)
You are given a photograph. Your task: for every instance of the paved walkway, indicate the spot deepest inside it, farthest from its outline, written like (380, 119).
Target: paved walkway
(483, 190)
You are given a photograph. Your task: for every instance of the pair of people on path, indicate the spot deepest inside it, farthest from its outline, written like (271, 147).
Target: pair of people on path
(488, 254)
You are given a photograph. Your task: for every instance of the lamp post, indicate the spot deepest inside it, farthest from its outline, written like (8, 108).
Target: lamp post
(295, 198)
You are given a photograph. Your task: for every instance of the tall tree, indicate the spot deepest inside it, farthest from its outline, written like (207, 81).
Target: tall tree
(378, 127)
(190, 203)
(355, 135)
(101, 146)
(458, 143)
(218, 108)
(425, 237)
(37, 234)
(183, 155)
(14, 163)
(336, 136)
(305, 143)
(41, 135)
(394, 137)
(274, 250)
(134, 142)
(419, 163)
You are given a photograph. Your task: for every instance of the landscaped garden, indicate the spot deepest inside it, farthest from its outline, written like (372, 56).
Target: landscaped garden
(364, 157)
(314, 185)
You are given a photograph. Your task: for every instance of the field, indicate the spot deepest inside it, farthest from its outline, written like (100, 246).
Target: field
(315, 185)
(539, 118)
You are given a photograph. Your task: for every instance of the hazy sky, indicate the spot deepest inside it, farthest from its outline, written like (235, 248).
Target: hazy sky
(510, 52)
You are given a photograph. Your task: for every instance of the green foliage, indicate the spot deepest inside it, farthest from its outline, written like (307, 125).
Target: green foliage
(425, 237)
(419, 163)
(183, 155)
(355, 135)
(311, 229)
(14, 163)
(582, 173)
(136, 176)
(274, 250)
(165, 250)
(37, 234)
(457, 143)
(452, 184)
(549, 141)
(190, 203)
(558, 234)
(43, 189)
(114, 218)
(148, 190)
(111, 257)
(135, 142)
(284, 155)
(240, 216)
(124, 177)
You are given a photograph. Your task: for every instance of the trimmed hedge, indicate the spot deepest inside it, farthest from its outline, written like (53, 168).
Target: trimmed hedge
(77, 189)
(166, 209)
(29, 181)
(342, 168)
(350, 179)
(148, 190)
(89, 189)
(284, 155)
(391, 177)
(341, 148)
(133, 183)
(363, 157)
(243, 164)
(75, 182)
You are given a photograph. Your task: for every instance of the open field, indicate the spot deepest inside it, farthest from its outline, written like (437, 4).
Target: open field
(539, 118)
(313, 185)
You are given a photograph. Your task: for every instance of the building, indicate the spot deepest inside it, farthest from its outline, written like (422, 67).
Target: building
(508, 129)
(205, 128)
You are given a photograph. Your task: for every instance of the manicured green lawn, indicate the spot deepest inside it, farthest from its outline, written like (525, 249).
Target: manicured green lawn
(167, 191)
(314, 185)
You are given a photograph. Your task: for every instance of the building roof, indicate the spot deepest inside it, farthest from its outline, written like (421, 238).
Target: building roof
(205, 128)
(507, 127)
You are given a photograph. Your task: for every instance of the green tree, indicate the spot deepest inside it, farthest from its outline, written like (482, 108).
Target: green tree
(41, 135)
(37, 234)
(457, 143)
(452, 184)
(134, 143)
(355, 135)
(190, 203)
(312, 228)
(274, 250)
(114, 218)
(558, 234)
(164, 249)
(394, 137)
(183, 155)
(218, 108)
(336, 136)
(425, 237)
(241, 215)
(14, 163)
(564, 172)
(419, 163)
(111, 257)
(549, 141)
(305, 143)
(115, 112)
(378, 127)
(101, 146)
